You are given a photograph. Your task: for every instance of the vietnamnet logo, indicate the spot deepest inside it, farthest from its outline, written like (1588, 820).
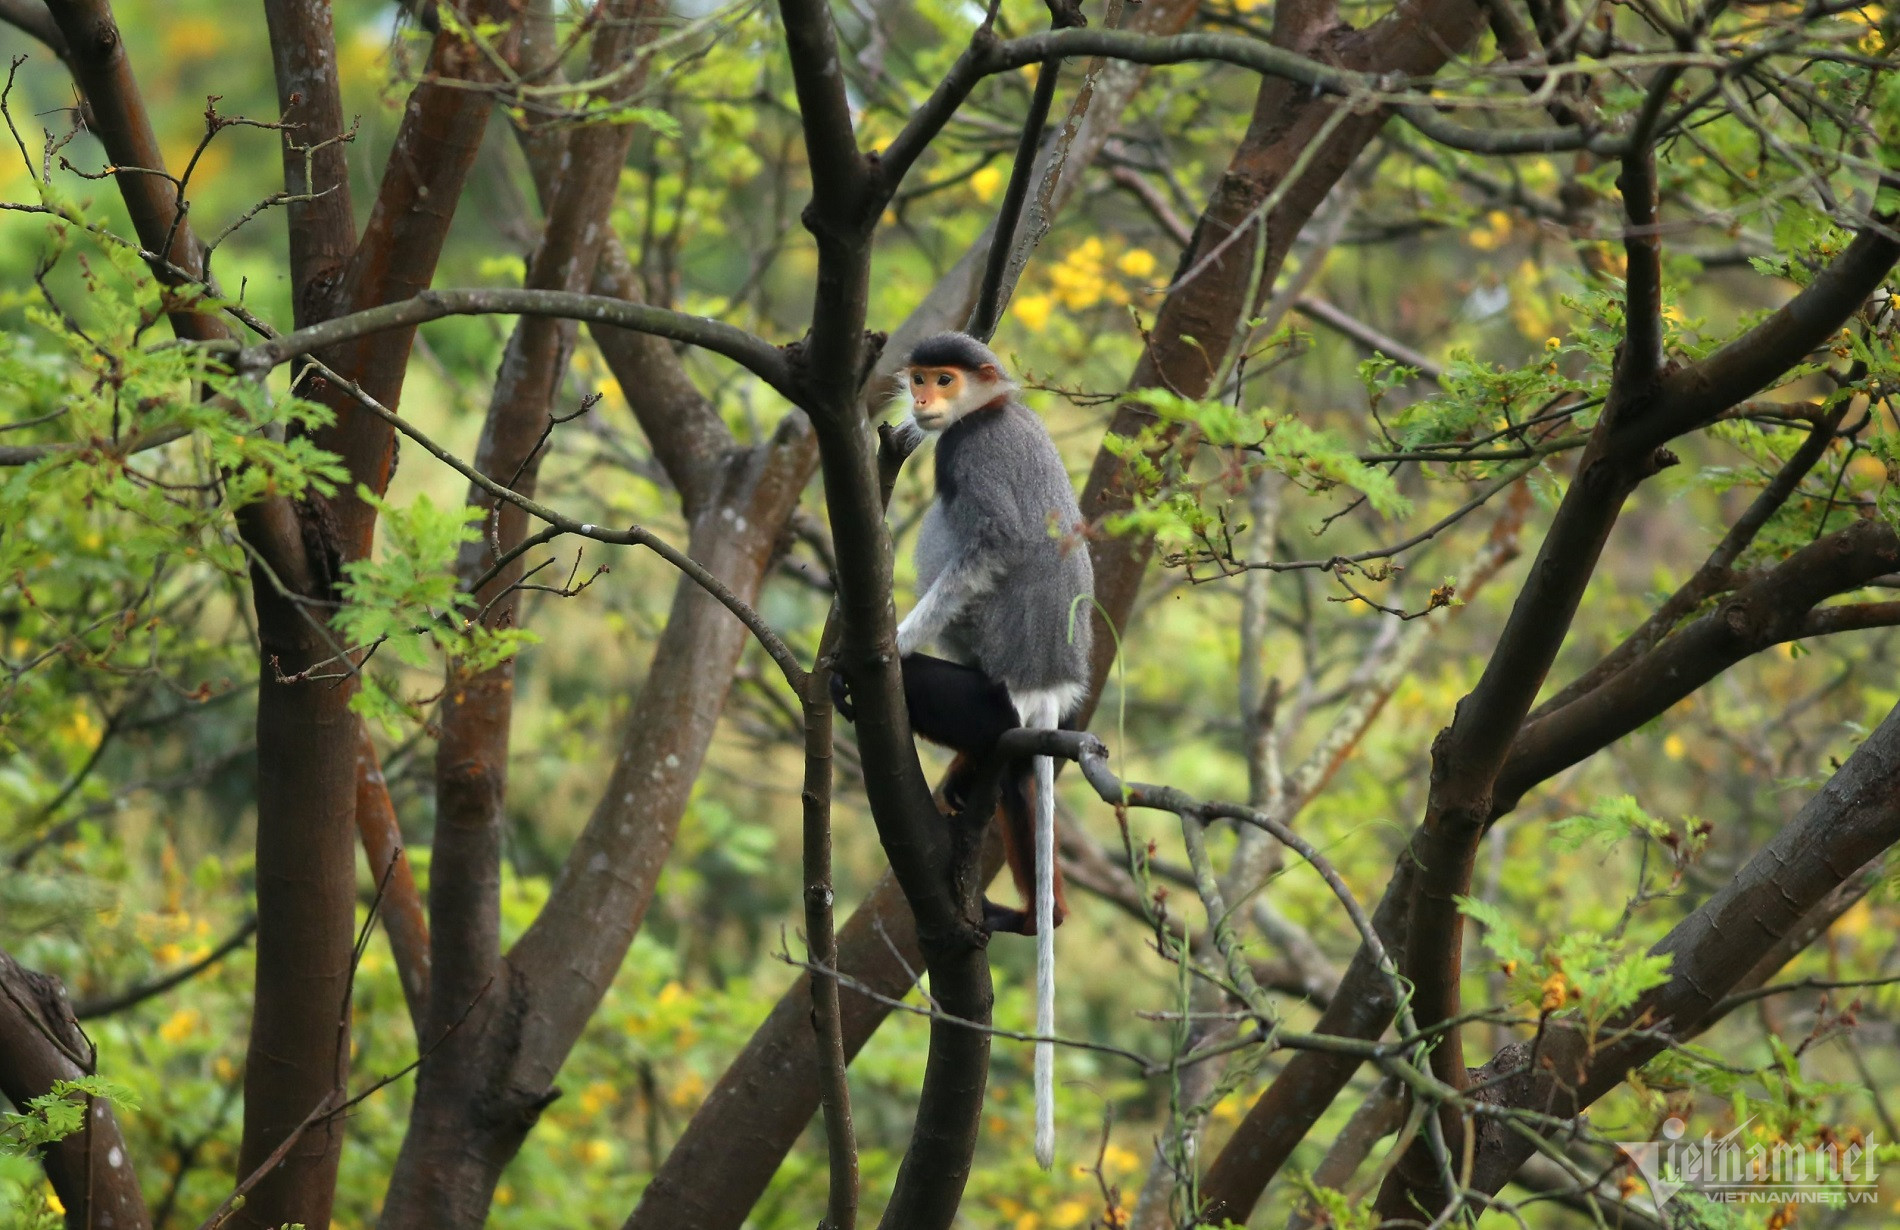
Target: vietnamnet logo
(1728, 1170)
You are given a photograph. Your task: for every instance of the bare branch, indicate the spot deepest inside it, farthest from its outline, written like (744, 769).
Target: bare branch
(758, 356)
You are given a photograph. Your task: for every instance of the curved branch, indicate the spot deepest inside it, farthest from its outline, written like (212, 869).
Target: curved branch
(751, 352)
(1506, 141)
(1777, 606)
(987, 56)
(119, 1001)
(32, 17)
(103, 70)
(1697, 393)
(1847, 823)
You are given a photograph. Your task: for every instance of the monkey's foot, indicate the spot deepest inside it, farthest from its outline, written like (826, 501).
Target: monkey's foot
(1003, 918)
(841, 698)
(1014, 921)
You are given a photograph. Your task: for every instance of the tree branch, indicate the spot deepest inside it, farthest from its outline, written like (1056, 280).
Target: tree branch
(1845, 825)
(990, 297)
(401, 911)
(1696, 394)
(1714, 575)
(444, 1176)
(831, 143)
(32, 18)
(1774, 607)
(119, 1001)
(318, 218)
(104, 73)
(1350, 326)
(756, 355)
(41, 1043)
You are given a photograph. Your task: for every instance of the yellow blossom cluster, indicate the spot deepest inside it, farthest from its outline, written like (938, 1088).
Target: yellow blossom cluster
(1084, 278)
(986, 183)
(1080, 279)
(1873, 15)
(1534, 305)
(1063, 1215)
(1493, 233)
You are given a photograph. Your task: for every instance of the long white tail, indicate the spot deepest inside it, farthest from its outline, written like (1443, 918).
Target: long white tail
(1045, 960)
(1041, 710)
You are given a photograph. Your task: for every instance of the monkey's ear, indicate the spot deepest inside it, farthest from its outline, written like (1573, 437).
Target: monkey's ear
(989, 373)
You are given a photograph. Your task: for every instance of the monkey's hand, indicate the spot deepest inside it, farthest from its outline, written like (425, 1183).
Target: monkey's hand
(841, 698)
(904, 436)
(911, 633)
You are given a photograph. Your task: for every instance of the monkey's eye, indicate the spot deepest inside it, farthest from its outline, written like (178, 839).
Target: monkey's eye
(943, 380)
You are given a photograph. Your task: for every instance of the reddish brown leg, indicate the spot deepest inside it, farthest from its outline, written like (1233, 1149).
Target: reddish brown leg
(1016, 818)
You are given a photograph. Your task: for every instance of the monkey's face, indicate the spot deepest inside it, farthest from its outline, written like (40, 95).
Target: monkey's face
(940, 396)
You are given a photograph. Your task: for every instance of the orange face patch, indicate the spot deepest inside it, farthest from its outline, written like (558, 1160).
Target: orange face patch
(933, 393)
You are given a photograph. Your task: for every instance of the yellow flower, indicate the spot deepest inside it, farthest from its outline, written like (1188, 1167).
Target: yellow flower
(595, 1097)
(1068, 1213)
(1496, 229)
(1556, 991)
(1080, 280)
(1867, 469)
(183, 1023)
(689, 1090)
(986, 183)
(192, 38)
(597, 1151)
(81, 727)
(504, 1195)
(1118, 1160)
(1033, 311)
(1531, 308)
(1136, 262)
(1674, 747)
(1856, 921)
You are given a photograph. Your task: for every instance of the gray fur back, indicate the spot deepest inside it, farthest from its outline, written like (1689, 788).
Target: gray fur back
(1001, 488)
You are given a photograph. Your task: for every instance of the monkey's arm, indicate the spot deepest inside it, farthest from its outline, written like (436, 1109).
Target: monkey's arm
(971, 575)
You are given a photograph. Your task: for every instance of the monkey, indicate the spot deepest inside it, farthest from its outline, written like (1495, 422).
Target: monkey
(1002, 580)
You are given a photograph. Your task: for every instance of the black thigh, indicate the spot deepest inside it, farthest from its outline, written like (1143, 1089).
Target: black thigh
(954, 705)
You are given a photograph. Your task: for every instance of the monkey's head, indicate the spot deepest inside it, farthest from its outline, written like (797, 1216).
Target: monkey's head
(950, 375)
